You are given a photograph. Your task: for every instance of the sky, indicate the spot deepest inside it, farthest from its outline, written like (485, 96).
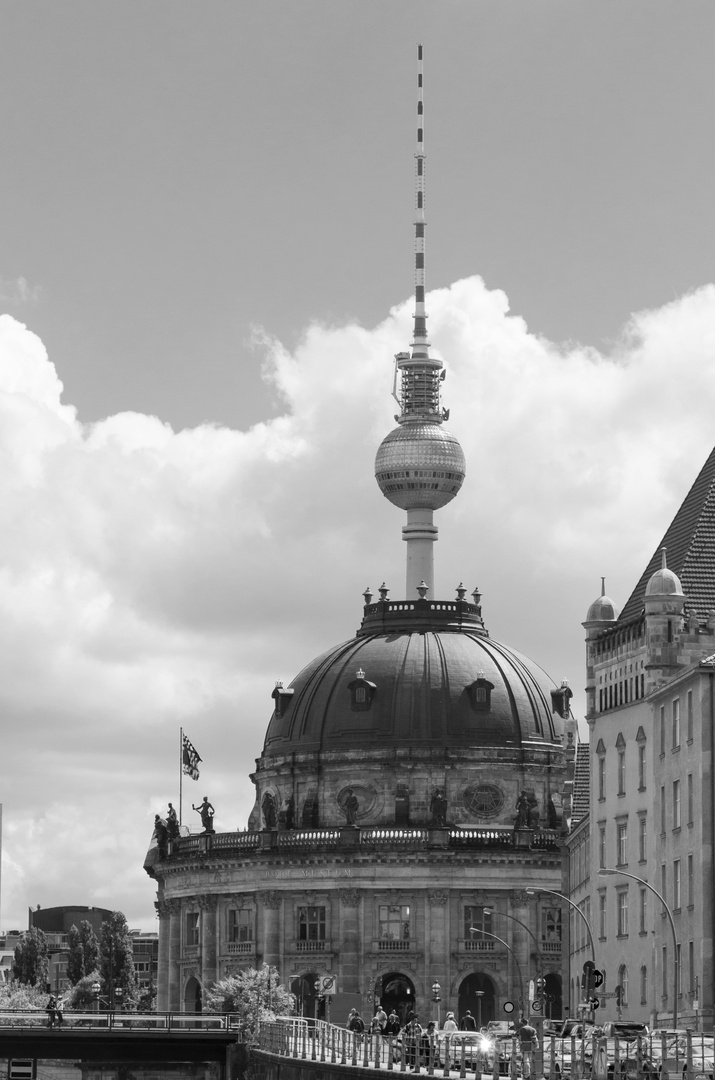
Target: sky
(205, 271)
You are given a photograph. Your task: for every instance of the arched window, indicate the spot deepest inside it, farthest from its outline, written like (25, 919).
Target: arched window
(622, 985)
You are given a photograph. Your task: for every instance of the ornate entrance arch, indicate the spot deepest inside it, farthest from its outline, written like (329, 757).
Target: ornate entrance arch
(396, 991)
(477, 994)
(193, 1001)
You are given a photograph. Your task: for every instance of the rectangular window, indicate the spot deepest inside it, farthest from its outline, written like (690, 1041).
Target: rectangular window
(602, 915)
(691, 881)
(622, 853)
(394, 922)
(691, 966)
(676, 883)
(476, 918)
(621, 772)
(240, 924)
(679, 968)
(192, 928)
(551, 924)
(622, 913)
(644, 985)
(602, 845)
(676, 723)
(601, 777)
(311, 924)
(664, 970)
(663, 883)
(676, 804)
(690, 715)
(690, 798)
(642, 909)
(641, 766)
(642, 838)
(662, 729)
(662, 808)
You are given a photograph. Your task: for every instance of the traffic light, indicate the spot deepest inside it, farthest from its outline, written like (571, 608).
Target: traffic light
(539, 987)
(619, 996)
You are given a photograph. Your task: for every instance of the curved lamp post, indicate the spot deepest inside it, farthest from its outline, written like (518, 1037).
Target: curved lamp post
(476, 930)
(436, 997)
(609, 870)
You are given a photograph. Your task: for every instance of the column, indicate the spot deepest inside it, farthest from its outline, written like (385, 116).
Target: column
(347, 931)
(174, 996)
(437, 951)
(163, 909)
(209, 944)
(269, 902)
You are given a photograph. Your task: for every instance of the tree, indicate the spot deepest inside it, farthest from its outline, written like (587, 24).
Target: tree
(81, 996)
(117, 961)
(254, 995)
(17, 995)
(32, 964)
(83, 952)
(147, 998)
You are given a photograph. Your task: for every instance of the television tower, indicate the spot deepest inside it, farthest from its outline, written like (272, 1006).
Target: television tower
(419, 466)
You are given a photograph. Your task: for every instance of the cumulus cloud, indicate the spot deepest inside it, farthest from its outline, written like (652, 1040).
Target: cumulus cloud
(151, 579)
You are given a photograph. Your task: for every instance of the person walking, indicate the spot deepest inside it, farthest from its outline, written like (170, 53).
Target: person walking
(411, 1038)
(528, 1043)
(468, 1022)
(450, 1026)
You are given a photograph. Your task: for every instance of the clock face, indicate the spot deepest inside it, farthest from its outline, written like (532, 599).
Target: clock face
(484, 800)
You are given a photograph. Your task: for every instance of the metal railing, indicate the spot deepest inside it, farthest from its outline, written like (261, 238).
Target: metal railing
(112, 1021)
(667, 1056)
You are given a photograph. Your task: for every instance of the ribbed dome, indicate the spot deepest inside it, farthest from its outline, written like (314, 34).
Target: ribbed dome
(420, 688)
(602, 610)
(664, 583)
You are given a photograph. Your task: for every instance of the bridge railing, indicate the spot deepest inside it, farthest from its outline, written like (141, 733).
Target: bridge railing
(21, 1018)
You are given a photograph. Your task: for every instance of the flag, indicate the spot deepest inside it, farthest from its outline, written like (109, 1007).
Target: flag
(190, 760)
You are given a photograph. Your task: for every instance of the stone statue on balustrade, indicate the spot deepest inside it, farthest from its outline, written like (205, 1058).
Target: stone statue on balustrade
(206, 810)
(438, 809)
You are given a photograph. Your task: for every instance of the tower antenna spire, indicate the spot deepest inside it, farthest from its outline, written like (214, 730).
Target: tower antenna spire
(419, 466)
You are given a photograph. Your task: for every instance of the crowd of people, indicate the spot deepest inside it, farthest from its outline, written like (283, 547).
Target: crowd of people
(419, 1043)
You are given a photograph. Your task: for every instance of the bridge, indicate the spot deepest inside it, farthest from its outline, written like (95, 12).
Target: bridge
(124, 1037)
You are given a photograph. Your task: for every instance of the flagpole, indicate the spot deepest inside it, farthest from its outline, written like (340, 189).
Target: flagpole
(181, 773)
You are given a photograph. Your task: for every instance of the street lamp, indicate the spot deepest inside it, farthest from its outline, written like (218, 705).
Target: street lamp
(609, 870)
(95, 994)
(539, 963)
(479, 994)
(436, 998)
(477, 930)
(577, 909)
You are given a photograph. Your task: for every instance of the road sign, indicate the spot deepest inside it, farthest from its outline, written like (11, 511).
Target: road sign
(22, 1069)
(536, 1006)
(508, 1006)
(597, 977)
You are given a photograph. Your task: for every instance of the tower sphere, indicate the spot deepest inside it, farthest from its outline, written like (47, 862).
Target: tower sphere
(419, 464)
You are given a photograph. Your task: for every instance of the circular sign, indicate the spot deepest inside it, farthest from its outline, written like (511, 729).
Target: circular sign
(508, 1006)
(536, 1006)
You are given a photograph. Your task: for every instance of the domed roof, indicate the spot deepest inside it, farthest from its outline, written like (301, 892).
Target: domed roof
(419, 464)
(664, 582)
(603, 609)
(430, 682)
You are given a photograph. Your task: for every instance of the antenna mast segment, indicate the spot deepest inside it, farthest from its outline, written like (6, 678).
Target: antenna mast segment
(420, 374)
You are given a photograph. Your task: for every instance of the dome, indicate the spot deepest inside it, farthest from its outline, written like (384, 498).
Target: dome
(602, 610)
(419, 464)
(664, 582)
(425, 686)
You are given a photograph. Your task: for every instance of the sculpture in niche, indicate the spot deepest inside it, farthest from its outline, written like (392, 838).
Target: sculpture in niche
(285, 814)
(268, 806)
(438, 808)
(351, 805)
(521, 820)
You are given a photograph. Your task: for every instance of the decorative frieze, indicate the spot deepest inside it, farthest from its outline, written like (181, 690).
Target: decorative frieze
(437, 897)
(271, 898)
(349, 897)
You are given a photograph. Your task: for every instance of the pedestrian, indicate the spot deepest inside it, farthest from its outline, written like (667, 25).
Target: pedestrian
(355, 1022)
(381, 1017)
(428, 1044)
(411, 1037)
(53, 1014)
(450, 1026)
(528, 1043)
(392, 1027)
(468, 1022)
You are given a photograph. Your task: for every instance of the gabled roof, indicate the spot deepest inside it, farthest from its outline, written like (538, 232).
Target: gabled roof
(690, 544)
(581, 798)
